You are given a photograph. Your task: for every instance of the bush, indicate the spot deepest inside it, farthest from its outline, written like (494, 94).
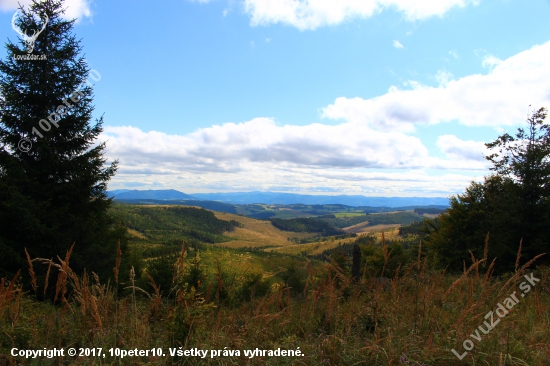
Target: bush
(295, 278)
(253, 285)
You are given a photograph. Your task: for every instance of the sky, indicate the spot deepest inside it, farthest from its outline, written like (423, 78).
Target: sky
(372, 97)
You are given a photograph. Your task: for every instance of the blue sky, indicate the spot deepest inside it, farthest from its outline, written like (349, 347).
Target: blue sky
(373, 97)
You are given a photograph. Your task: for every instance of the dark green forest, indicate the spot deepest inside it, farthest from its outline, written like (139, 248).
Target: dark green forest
(398, 218)
(175, 222)
(306, 225)
(53, 181)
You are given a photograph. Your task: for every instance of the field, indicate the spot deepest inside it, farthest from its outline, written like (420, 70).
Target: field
(366, 227)
(256, 233)
(314, 248)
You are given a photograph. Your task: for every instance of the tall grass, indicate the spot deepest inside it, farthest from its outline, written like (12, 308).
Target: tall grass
(334, 320)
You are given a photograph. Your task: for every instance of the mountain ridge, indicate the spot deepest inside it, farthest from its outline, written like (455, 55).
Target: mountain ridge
(157, 194)
(280, 198)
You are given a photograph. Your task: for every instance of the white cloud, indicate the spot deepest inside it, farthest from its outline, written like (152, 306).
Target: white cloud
(230, 147)
(453, 53)
(258, 178)
(311, 14)
(77, 9)
(261, 155)
(460, 150)
(498, 98)
(74, 8)
(490, 61)
(369, 152)
(397, 44)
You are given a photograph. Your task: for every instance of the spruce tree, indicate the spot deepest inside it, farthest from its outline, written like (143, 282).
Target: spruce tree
(513, 205)
(53, 176)
(525, 159)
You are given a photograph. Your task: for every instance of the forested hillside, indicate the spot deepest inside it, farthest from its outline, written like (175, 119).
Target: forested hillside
(399, 218)
(173, 222)
(306, 225)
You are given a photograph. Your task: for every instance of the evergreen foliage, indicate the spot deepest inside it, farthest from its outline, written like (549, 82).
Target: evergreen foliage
(53, 194)
(174, 223)
(512, 205)
(431, 211)
(525, 160)
(414, 229)
(305, 225)
(397, 218)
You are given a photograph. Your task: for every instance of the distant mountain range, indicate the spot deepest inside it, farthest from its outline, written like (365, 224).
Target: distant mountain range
(161, 194)
(279, 198)
(291, 198)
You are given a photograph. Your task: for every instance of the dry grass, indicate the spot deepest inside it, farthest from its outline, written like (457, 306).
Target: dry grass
(257, 233)
(364, 227)
(416, 320)
(137, 234)
(312, 248)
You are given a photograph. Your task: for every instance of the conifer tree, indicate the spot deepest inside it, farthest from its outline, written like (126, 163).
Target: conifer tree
(525, 159)
(53, 176)
(513, 204)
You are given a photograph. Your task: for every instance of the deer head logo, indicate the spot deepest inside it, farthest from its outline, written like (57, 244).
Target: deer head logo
(29, 40)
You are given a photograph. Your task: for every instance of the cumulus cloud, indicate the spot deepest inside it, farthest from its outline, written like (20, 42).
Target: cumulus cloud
(77, 9)
(261, 155)
(231, 146)
(498, 98)
(397, 44)
(311, 14)
(74, 8)
(461, 150)
(371, 151)
(490, 61)
(258, 178)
